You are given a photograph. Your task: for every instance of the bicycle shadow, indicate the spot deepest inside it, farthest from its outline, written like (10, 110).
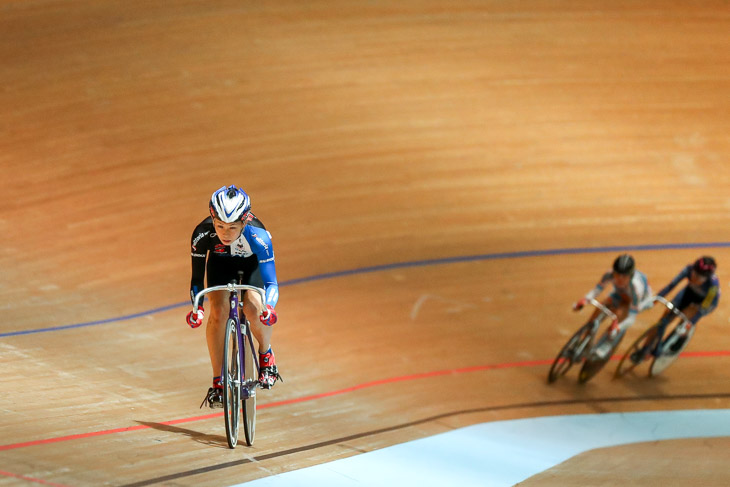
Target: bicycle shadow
(596, 396)
(204, 438)
(640, 382)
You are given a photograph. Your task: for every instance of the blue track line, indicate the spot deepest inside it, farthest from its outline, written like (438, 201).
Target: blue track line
(400, 265)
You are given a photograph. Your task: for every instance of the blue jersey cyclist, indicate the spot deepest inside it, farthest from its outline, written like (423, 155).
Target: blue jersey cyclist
(232, 239)
(631, 292)
(697, 299)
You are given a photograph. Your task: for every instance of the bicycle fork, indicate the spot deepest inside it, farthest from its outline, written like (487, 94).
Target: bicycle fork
(580, 350)
(248, 389)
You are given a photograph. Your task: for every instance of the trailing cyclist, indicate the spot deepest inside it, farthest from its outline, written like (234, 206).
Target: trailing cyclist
(697, 299)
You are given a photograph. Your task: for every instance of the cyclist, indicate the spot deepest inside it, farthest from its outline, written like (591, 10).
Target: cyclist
(698, 298)
(631, 293)
(233, 239)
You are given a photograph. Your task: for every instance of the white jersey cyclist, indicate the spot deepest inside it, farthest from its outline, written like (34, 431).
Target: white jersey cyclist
(630, 287)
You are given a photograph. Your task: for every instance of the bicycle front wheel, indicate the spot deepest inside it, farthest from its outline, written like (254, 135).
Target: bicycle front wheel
(627, 365)
(599, 355)
(670, 350)
(567, 355)
(231, 383)
(250, 372)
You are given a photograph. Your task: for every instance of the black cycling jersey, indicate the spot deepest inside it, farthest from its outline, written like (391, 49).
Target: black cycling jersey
(252, 252)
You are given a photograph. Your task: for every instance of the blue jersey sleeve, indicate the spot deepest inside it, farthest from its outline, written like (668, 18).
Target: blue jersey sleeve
(260, 241)
(683, 274)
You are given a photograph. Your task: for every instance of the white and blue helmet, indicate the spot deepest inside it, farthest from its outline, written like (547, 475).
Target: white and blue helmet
(230, 204)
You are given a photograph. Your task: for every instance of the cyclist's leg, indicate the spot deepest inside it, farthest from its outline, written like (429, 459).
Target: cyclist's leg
(692, 312)
(220, 271)
(621, 311)
(656, 334)
(610, 302)
(253, 308)
(216, 328)
(695, 311)
(619, 305)
(688, 301)
(252, 305)
(268, 371)
(606, 343)
(214, 333)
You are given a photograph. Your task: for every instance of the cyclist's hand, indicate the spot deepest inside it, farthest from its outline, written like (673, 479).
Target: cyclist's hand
(195, 318)
(269, 317)
(578, 305)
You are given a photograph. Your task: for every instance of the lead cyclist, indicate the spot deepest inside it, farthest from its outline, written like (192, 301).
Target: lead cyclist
(230, 240)
(631, 293)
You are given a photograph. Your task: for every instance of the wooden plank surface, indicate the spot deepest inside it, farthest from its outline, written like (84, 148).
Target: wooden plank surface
(368, 134)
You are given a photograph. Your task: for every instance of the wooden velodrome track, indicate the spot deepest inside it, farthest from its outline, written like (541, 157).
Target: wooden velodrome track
(368, 134)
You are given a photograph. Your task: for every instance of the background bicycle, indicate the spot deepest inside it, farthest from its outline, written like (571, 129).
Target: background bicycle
(652, 344)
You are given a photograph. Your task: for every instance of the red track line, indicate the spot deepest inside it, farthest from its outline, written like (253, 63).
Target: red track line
(313, 397)
(718, 353)
(402, 379)
(101, 433)
(29, 479)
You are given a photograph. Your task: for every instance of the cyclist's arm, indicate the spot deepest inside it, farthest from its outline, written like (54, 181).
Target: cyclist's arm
(683, 274)
(198, 252)
(197, 282)
(605, 279)
(264, 250)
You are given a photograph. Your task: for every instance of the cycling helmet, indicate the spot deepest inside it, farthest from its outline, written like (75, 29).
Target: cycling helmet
(705, 266)
(230, 204)
(624, 264)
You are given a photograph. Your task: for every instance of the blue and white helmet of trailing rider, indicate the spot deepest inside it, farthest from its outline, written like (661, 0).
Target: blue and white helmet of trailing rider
(230, 204)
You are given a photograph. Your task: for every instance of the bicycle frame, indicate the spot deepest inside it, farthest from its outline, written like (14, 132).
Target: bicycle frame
(604, 313)
(682, 329)
(239, 380)
(578, 345)
(235, 315)
(603, 308)
(656, 345)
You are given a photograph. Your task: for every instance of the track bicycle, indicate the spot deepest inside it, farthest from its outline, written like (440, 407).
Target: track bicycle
(580, 348)
(663, 351)
(240, 368)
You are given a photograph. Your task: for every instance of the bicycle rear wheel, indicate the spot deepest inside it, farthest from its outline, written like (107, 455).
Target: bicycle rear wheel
(231, 383)
(626, 365)
(564, 361)
(670, 350)
(599, 355)
(250, 372)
